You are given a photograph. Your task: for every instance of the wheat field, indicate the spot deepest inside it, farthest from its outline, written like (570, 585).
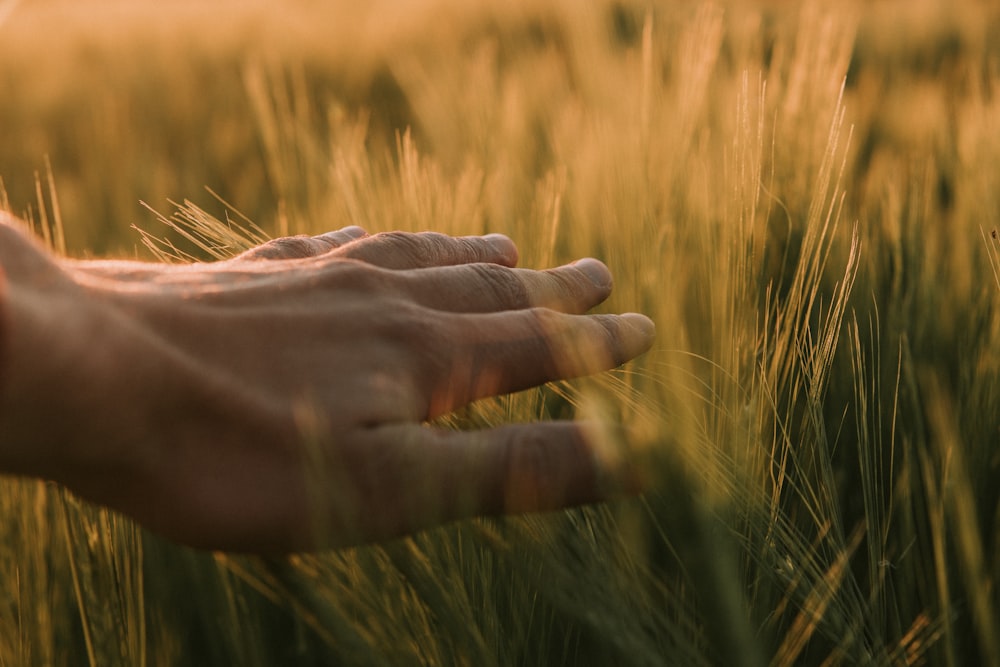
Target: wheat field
(804, 198)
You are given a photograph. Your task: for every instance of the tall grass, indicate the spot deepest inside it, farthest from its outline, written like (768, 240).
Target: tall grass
(805, 200)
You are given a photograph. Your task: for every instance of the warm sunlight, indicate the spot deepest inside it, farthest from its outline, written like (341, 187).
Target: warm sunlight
(803, 198)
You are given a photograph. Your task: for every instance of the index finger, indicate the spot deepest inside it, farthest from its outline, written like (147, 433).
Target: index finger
(402, 251)
(300, 247)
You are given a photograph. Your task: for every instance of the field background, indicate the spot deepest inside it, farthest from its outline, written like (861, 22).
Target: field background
(804, 198)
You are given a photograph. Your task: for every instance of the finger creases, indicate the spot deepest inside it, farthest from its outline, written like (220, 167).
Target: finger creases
(439, 475)
(300, 247)
(402, 250)
(484, 288)
(500, 353)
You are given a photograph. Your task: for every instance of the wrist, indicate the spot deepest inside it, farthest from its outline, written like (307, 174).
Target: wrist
(52, 375)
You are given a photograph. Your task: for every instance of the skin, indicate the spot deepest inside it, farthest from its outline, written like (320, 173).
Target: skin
(279, 401)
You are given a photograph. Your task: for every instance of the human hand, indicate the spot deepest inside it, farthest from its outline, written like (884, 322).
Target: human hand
(278, 401)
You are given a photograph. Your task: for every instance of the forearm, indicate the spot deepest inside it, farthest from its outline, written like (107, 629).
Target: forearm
(28, 361)
(86, 380)
(53, 367)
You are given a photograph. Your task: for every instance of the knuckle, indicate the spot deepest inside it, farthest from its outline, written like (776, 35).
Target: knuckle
(610, 328)
(474, 249)
(432, 247)
(362, 277)
(568, 286)
(395, 238)
(579, 346)
(417, 339)
(529, 465)
(502, 284)
(415, 249)
(290, 247)
(326, 242)
(417, 326)
(548, 322)
(395, 319)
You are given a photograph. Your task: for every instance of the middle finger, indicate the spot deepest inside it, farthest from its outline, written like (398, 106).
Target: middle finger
(484, 288)
(499, 353)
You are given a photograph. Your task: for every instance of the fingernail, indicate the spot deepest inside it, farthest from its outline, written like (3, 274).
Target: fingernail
(641, 323)
(503, 245)
(596, 271)
(354, 232)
